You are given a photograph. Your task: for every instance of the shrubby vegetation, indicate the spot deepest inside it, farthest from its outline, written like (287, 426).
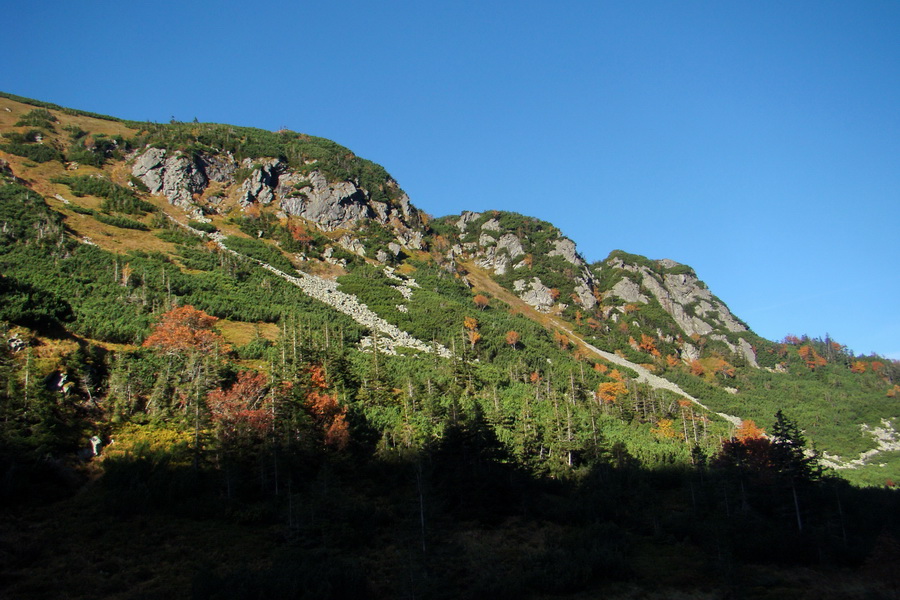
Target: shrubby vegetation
(116, 198)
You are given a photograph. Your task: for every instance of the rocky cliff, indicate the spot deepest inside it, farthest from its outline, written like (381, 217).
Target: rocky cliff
(185, 180)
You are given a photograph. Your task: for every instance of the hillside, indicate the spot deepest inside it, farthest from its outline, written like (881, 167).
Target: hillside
(246, 323)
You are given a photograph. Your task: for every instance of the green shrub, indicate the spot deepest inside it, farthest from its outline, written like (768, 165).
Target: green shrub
(39, 117)
(204, 227)
(37, 152)
(115, 197)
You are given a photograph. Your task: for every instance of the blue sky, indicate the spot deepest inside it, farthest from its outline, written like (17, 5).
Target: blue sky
(758, 142)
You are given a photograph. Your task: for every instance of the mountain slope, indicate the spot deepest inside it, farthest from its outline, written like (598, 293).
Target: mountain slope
(218, 335)
(341, 230)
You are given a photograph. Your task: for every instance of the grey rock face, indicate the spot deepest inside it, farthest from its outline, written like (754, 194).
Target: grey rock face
(330, 206)
(148, 168)
(492, 259)
(219, 168)
(680, 290)
(491, 225)
(181, 179)
(411, 238)
(535, 293)
(352, 245)
(486, 240)
(566, 248)
(511, 244)
(178, 177)
(629, 291)
(748, 352)
(584, 293)
(260, 186)
(465, 218)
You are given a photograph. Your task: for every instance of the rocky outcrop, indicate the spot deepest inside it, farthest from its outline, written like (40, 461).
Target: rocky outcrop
(535, 293)
(352, 245)
(677, 292)
(690, 304)
(511, 244)
(148, 167)
(260, 186)
(178, 177)
(330, 205)
(566, 248)
(629, 291)
(491, 225)
(183, 178)
(585, 293)
(465, 218)
(494, 260)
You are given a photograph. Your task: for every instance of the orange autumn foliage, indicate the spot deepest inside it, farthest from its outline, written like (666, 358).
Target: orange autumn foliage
(648, 345)
(323, 407)
(749, 431)
(672, 360)
(470, 323)
(184, 328)
(512, 338)
(481, 301)
(812, 358)
(600, 368)
(665, 428)
(609, 392)
(723, 367)
(697, 368)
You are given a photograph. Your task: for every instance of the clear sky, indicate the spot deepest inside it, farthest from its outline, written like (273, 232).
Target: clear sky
(758, 142)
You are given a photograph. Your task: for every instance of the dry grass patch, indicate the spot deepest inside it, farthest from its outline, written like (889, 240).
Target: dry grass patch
(240, 333)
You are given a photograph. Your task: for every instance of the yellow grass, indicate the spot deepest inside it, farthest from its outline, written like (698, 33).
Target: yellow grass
(239, 333)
